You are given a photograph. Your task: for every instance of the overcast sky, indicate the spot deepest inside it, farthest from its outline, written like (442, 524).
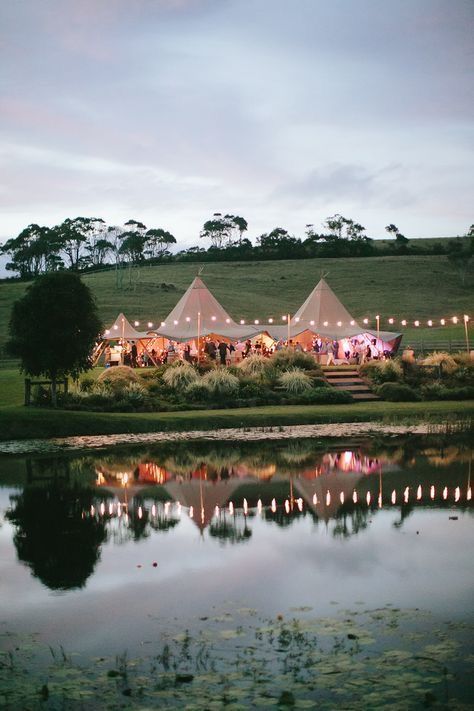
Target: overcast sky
(282, 111)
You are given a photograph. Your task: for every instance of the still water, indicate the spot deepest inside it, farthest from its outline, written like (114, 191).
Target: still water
(151, 574)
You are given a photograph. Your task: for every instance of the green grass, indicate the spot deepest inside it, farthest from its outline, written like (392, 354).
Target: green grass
(25, 423)
(419, 287)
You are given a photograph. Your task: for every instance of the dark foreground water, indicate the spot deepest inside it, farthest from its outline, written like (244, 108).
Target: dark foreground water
(284, 574)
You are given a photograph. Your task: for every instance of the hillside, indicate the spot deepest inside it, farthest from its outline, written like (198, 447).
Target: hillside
(418, 287)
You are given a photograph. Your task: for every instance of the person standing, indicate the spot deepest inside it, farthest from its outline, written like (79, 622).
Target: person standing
(222, 348)
(134, 354)
(330, 354)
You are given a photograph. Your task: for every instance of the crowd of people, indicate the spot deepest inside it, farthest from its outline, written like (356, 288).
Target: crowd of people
(326, 351)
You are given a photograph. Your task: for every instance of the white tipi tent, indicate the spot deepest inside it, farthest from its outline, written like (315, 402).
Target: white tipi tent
(198, 313)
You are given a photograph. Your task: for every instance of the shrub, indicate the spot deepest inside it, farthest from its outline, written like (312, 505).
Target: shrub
(86, 385)
(249, 387)
(117, 377)
(444, 360)
(295, 381)
(197, 391)
(222, 383)
(383, 371)
(254, 365)
(463, 359)
(325, 396)
(436, 391)
(206, 366)
(179, 377)
(135, 394)
(287, 358)
(398, 392)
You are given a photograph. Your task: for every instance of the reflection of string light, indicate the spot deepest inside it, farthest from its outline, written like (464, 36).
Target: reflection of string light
(287, 506)
(394, 496)
(299, 503)
(140, 512)
(379, 501)
(328, 498)
(231, 508)
(111, 509)
(246, 507)
(469, 494)
(457, 494)
(153, 510)
(191, 512)
(445, 493)
(274, 505)
(418, 492)
(92, 510)
(102, 509)
(406, 494)
(216, 511)
(259, 506)
(341, 497)
(432, 491)
(354, 496)
(368, 498)
(315, 499)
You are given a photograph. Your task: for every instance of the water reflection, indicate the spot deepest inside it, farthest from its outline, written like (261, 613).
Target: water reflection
(68, 508)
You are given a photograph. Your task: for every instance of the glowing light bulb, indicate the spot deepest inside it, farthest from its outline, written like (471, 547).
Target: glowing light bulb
(283, 318)
(443, 322)
(256, 321)
(242, 321)
(419, 492)
(216, 511)
(417, 323)
(299, 503)
(259, 506)
(469, 494)
(352, 323)
(246, 507)
(354, 497)
(445, 493)
(136, 323)
(455, 319)
(274, 505)
(325, 324)
(311, 323)
(153, 510)
(227, 320)
(390, 320)
(430, 322)
(368, 498)
(270, 320)
(191, 512)
(175, 322)
(404, 322)
(188, 319)
(115, 327)
(406, 494)
(341, 497)
(328, 498)
(150, 324)
(102, 509)
(315, 499)
(163, 324)
(231, 508)
(339, 323)
(457, 494)
(287, 506)
(140, 512)
(432, 491)
(366, 321)
(213, 318)
(394, 497)
(297, 319)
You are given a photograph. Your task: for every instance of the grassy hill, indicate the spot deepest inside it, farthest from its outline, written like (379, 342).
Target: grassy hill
(411, 287)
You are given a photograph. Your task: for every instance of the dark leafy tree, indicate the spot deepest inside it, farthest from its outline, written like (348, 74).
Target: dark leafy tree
(54, 327)
(218, 230)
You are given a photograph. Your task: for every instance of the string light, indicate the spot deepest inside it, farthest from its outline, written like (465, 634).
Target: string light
(455, 319)
(188, 319)
(136, 323)
(150, 324)
(442, 322)
(366, 321)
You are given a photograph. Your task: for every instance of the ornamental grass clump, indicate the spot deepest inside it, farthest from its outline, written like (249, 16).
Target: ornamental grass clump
(180, 377)
(382, 371)
(444, 360)
(254, 366)
(117, 378)
(295, 381)
(221, 383)
(197, 391)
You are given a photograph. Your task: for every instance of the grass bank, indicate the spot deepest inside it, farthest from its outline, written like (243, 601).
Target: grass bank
(32, 423)
(391, 286)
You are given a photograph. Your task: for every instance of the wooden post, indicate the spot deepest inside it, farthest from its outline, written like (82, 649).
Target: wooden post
(27, 392)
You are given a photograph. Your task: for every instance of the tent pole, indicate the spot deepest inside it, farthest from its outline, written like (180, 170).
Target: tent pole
(466, 331)
(123, 341)
(199, 336)
(288, 317)
(377, 318)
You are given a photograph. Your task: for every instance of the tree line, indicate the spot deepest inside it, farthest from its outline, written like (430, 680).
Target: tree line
(86, 243)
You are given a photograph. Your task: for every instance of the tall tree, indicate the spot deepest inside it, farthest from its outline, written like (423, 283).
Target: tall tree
(218, 230)
(158, 241)
(53, 328)
(34, 251)
(73, 236)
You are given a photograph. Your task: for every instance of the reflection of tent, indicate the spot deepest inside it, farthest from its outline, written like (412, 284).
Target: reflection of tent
(203, 496)
(335, 484)
(323, 313)
(183, 323)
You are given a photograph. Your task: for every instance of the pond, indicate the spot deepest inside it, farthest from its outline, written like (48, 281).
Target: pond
(292, 574)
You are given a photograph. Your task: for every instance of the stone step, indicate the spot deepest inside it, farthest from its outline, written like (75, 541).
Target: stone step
(361, 397)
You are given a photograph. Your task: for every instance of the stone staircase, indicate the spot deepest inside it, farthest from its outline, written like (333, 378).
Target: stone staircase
(344, 377)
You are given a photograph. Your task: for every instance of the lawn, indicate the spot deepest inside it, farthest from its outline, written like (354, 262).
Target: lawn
(419, 287)
(25, 423)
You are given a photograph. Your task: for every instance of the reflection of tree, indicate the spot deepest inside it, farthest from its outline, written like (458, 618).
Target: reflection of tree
(283, 519)
(53, 537)
(357, 516)
(229, 532)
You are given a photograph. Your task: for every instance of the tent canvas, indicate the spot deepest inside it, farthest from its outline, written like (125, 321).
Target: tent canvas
(198, 314)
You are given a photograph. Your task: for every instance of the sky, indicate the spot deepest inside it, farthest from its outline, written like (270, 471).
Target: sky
(167, 111)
